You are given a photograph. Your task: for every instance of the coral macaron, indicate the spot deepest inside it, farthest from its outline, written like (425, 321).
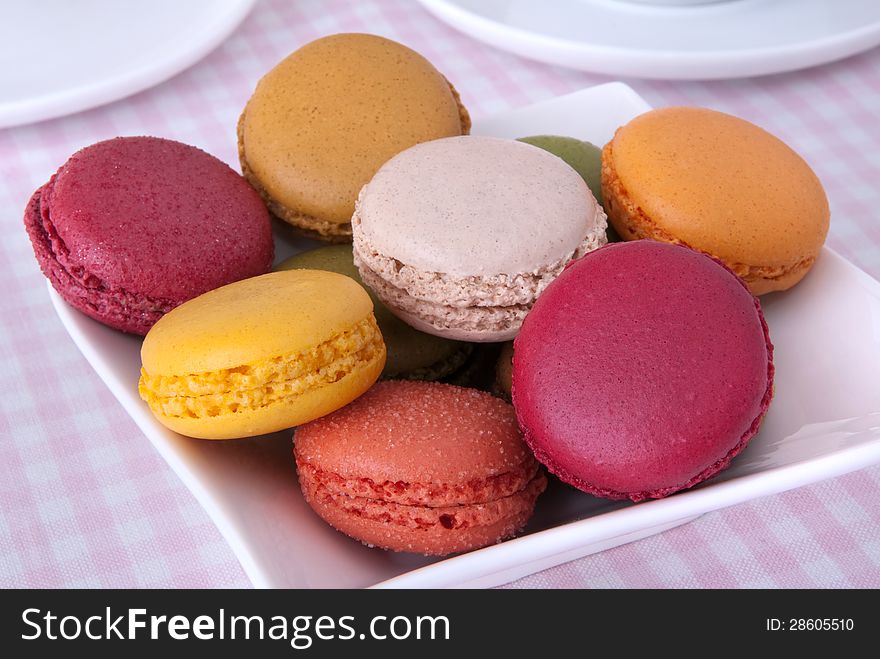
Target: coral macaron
(643, 369)
(129, 228)
(420, 467)
(720, 185)
(261, 355)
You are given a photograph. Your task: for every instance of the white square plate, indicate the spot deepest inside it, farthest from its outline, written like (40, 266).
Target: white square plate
(824, 421)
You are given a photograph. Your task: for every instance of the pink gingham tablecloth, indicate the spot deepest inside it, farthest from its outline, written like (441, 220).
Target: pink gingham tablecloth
(86, 501)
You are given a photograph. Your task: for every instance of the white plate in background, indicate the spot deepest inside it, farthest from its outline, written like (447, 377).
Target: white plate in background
(823, 422)
(61, 56)
(722, 39)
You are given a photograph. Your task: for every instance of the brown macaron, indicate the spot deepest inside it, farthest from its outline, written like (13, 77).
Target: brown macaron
(321, 123)
(720, 185)
(420, 467)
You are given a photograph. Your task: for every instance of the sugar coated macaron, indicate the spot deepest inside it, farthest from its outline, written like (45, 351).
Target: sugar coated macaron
(412, 355)
(321, 123)
(420, 467)
(129, 228)
(584, 157)
(459, 236)
(261, 355)
(644, 369)
(718, 184)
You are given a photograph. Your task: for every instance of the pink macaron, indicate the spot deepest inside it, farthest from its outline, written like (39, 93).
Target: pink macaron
(459, 236)
(129, 228)
(643, 369)
(420, 467)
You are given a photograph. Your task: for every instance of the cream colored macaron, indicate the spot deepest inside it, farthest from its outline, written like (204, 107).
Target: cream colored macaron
(323, 121)
(718, 184)
(458, 237)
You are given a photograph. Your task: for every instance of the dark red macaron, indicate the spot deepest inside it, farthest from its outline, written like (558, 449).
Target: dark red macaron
(643, 369)
(129, 228)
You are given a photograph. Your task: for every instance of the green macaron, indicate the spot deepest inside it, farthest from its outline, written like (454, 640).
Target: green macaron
(412, 355)
(583, 157)
(504, 371)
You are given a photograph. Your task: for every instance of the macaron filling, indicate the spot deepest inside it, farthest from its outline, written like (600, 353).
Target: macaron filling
(134, 311)
(444, 316)
(419, 517)
(265, 382)
(432, 495)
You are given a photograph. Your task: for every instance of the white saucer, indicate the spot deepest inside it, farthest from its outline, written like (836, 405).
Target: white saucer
(60, 57)
(727, 39)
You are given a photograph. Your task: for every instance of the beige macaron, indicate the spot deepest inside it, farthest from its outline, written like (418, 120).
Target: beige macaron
(718, 184)
(323, 121)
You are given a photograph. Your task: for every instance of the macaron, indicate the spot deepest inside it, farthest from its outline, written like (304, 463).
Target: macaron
(582, 156)
(504, 371)
(420, 467)
(459, 236)
(720, 185)
(412, 355)
(129, 228)
(321, 123)
(643, 369)
(261, 355)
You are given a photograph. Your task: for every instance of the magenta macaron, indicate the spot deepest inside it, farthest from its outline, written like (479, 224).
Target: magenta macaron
(643, 369)
(129, 228)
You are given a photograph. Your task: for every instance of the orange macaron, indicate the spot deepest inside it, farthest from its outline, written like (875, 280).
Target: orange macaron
(720, 185)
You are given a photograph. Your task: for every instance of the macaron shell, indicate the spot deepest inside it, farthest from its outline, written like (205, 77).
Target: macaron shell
(668, 384)
(483, 328)
(255, 319)
(721, 185)
(419, 432)
(328, 116)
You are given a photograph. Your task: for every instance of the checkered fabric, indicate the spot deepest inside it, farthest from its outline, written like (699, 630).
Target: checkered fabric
(86, 501)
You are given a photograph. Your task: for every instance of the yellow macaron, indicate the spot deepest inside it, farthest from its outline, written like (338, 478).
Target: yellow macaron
(720, 185)
(261, 355)
(323, 121)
